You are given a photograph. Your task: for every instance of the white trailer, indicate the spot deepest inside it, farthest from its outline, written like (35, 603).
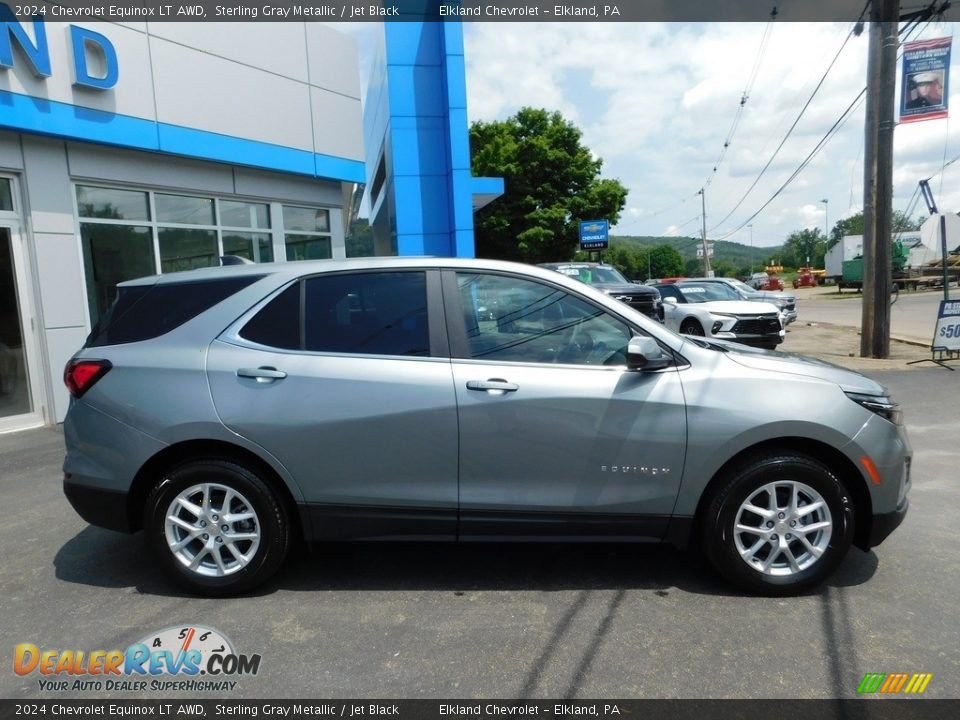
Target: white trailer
(849, 247)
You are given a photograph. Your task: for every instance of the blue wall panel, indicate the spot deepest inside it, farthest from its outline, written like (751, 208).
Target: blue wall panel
(421, 130)
(49, 117)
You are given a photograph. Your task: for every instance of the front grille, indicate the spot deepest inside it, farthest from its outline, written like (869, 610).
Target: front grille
(757, 326)
(643, 303)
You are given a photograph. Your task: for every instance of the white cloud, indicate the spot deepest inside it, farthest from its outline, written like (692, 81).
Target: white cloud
(656, 102)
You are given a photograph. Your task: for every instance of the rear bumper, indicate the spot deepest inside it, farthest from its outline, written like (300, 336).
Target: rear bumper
(886, 523)
(103, 508)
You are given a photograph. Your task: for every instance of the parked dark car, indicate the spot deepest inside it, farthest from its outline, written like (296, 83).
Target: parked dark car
(608, 279)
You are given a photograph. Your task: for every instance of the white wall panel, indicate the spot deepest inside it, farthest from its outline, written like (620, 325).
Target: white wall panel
(147, 169)
(10, 156)
(60, 272)
(209, 93)
(276, 186)
(334, 60)
(337, 125)
(279, 47)
(48, 185)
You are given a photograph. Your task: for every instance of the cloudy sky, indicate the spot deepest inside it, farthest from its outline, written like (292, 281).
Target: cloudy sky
(657, 101)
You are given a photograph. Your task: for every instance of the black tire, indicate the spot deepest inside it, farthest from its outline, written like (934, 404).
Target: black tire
(270, 518)
(691, 327)
(719, 542)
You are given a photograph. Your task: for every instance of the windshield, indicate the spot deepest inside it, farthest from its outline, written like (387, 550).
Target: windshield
(707, 292)
(594, 275)
(742, 287)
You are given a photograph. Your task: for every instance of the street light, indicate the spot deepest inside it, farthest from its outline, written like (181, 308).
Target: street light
(826, 223)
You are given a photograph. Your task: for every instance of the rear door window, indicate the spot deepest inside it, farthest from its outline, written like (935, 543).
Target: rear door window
(377, 313)
(371, 313)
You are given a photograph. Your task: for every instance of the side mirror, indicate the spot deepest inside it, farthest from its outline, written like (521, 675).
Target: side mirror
(671, 300)
(643, 353)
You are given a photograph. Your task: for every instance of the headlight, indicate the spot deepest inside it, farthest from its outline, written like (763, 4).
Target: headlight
(879, 404)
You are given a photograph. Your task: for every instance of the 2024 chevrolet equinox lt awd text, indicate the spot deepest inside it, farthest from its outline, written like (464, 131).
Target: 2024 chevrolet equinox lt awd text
(229, 412)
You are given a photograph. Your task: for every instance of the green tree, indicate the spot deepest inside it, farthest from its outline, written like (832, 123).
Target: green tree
(665, 261)
(552, 182)
(359, 240)
(630, 261)
(854, 225)
(801, 245)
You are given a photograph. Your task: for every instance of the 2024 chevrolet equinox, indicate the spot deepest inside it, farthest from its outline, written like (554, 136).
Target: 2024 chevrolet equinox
(229, 412)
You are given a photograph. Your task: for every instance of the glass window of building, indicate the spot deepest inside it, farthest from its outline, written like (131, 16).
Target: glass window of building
(112, 204)
(6, 194)
(187, 249)
(184, 210)
(255, 246)
(307, 233)
(111, 254)
(244, 215)
(122, 239)
(14, 381)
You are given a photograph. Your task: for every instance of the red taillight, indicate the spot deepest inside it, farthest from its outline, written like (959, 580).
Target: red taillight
(80, 375)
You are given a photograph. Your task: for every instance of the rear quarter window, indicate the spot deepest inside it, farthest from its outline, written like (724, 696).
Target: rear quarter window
(146, 312)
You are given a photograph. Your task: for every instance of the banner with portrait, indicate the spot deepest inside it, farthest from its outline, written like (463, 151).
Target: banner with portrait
(925, 80)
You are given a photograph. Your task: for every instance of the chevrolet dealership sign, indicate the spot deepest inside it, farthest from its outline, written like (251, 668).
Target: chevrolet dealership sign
(594, 234)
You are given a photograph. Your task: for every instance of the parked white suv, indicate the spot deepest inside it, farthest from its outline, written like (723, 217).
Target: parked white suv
(709, 309)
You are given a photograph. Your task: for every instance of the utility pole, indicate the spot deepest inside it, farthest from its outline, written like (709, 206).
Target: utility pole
(751, 247)
(878, 178)
(707, 270)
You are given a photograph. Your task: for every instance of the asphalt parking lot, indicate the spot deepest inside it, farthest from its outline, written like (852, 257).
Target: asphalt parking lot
(528, 621)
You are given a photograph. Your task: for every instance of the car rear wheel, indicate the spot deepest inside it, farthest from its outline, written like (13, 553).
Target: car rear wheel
(691, 327)
(217, 527)
(779, 525)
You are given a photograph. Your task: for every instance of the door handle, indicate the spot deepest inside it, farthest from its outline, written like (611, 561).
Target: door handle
(262, 374)
(494, 386)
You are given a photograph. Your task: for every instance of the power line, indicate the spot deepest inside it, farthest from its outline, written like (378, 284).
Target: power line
(792, 127)
(819, 146)
(745, 95)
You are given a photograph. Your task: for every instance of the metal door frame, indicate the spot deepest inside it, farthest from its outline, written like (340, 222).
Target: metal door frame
(11, 221)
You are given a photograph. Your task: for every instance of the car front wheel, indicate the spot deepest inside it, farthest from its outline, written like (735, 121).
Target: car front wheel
(691, 327)
(217, 527)
(779, 525)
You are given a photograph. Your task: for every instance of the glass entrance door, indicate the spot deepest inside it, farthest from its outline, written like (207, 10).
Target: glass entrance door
(15, 395)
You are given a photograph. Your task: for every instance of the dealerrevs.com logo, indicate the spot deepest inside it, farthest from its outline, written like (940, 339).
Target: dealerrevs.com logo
(894, 683)
(182, 658)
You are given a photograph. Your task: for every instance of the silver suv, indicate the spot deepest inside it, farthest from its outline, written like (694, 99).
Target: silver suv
(229, 412)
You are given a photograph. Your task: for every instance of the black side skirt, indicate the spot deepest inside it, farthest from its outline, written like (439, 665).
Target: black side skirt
(345, 522)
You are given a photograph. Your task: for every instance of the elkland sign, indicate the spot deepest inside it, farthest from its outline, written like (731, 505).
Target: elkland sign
(94, 58)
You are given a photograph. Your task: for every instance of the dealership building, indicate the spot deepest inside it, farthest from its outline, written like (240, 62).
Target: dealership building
(129, 149)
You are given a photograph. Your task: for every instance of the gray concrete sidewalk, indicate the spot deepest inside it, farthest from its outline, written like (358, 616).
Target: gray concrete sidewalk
(912, 317)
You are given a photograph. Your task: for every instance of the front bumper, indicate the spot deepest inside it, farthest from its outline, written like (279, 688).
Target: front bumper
(886, 523)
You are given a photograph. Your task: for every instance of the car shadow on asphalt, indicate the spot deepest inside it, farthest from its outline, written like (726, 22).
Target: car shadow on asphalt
(101, 558)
